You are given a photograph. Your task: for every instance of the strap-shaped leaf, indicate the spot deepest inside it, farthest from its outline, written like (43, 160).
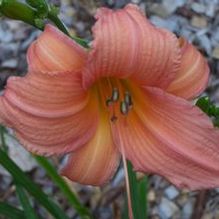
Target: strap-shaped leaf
(138, 190)
(11, 212)
(32, 188)
(28, 209)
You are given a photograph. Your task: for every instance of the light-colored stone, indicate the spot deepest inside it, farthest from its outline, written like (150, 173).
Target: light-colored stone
(198, 7)
(215, 37)
(171, 192)
(159, 10)
(182, 199)
(5, 36)
(172, 5)
(10, 63)
(18, 154)
(215, 53)
(187, 210)
(207, 216)
(167, 208)
(210, 9)
(205, 43)
(169, 23)
(199, 22)
(151, 196)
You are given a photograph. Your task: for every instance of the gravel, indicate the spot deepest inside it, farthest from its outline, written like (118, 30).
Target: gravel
(198, 21)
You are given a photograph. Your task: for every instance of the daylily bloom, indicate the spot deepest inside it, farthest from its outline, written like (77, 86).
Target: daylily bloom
(129, 94)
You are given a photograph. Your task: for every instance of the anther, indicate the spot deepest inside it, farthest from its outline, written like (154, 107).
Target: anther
(115, 94)
(124, 108)
(114, 118)
(109, 102)
(128, 99)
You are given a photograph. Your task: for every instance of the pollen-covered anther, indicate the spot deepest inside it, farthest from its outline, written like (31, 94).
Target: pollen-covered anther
(115, 94)
(114, 97)
(128, 99)
(124, 108)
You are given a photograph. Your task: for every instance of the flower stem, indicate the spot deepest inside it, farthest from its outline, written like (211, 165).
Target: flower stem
(57, 21)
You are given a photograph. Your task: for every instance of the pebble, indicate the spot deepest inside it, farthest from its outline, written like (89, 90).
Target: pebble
(199, 22)
(182, 199)
(167, 208)
(215, 37)
(19, 155)
(151, 196)
(198, 7)
(171, 192)
(187, 34)
(172, 5)
(5, 36)
(205, 43)
(32, 36)
(170, 24)
(10, 63)
(215, 53)
(208, 216)
(8, 50)
(210, 9)
(187, 210)
(159, 10)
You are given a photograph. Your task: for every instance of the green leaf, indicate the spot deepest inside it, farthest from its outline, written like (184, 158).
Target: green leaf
(28, 209)
(10, 212)
(32, 188)
(59, 181)
(41, 6)
(142, 194)
(204, 104)
(3, 143)
(138, 190)
(209, 108)
(39, 23)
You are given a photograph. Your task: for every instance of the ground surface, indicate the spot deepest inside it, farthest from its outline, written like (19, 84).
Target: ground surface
(198, 21)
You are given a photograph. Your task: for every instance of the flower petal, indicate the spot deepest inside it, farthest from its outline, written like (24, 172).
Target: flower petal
(96, 162)
(126, 44)
(53, 51)
(166, 135)
(50, 113)
(192, 78)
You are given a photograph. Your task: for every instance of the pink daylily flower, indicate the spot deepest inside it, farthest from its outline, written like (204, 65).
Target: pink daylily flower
(128, 95)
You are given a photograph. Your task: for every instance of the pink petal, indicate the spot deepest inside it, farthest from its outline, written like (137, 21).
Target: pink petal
(126, 44)
(166, 135)
(192, 78)
(96, 162)
(53, 51)
(50, 113)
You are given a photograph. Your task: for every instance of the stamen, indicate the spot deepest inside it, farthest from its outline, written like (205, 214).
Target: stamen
(114, 118)
(128, 99)
(109, 102)
(124, 108)
(115, 94)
